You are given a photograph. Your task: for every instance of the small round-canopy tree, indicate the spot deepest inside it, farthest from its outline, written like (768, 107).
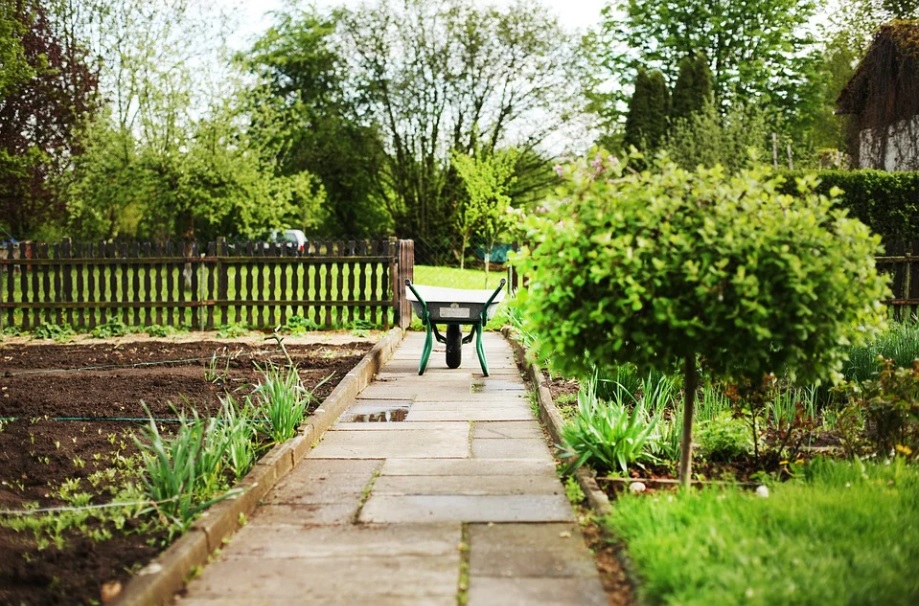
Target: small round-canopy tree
(668, 266)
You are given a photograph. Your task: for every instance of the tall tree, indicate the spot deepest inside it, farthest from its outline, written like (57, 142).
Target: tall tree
(438, 77)
(487, 179)
(40, 111)
(174, 155)
(322, 131)
(758, 50)
(646, 123)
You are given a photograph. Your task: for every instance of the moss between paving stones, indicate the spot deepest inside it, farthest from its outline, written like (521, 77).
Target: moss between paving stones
(158, 582)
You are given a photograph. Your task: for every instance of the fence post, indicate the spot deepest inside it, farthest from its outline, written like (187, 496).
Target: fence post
(402, 268)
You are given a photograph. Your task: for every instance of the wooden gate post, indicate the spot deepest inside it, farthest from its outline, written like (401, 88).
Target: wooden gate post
(402, 268)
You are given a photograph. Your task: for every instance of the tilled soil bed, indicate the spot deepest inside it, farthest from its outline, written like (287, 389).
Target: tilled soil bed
(67, 411)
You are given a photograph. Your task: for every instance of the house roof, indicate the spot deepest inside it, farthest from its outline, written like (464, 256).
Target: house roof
(885, 85)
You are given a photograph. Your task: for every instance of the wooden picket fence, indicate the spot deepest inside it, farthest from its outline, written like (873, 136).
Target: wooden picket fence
(903, 270)
(262, 286)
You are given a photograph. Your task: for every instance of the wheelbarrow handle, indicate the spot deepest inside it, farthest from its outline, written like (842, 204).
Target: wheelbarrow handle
(495, 294)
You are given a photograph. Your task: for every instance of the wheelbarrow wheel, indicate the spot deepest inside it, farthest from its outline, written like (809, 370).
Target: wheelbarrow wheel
(454, 346)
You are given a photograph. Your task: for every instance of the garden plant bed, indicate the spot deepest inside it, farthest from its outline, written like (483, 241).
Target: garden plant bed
(69, 411)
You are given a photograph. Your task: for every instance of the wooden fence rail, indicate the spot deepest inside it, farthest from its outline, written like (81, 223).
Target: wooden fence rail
(254, 284)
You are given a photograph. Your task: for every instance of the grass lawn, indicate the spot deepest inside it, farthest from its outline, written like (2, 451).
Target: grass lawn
(847, 534)
(454, 277)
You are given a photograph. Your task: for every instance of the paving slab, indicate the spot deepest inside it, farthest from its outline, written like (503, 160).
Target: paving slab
(467, 485)
(350, 579)
(535, 591)
(309, 483)
(471, 414)
(403, 425)
(511, 448)
(279, 541)
(466, 467)
(423, 443)
(449, 508)
(333, 514)
(529, 550)
(500, 430)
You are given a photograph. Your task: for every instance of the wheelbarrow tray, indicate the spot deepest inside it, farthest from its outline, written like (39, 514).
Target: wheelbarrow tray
(458, 305)
(453, 307)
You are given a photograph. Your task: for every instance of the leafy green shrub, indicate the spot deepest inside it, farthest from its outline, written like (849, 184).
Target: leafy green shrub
(58, 332)
(298, 325)
(666, 265)
(113, 327)
(891, 408)
(724, 437)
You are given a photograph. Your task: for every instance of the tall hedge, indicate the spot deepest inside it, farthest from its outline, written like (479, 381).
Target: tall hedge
(887, 202)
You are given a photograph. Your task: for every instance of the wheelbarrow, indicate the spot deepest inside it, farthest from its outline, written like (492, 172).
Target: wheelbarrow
(453, 307)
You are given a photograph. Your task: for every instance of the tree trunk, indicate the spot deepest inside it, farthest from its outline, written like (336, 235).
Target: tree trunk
(689, 401)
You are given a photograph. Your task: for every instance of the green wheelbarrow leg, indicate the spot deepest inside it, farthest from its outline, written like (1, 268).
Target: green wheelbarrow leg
(428, 346)
(479, 348)
(428, 331)
(479, 328)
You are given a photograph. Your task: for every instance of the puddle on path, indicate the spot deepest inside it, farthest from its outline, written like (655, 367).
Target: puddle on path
(385, 415)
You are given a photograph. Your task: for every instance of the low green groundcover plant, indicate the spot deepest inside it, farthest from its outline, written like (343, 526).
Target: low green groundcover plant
(845, 532)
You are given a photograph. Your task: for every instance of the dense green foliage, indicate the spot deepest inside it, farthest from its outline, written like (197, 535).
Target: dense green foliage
(320, 128)
(49, 90)
(757, 50)
(707, 137)
(487, 179)
(888, 203)
(845, 533)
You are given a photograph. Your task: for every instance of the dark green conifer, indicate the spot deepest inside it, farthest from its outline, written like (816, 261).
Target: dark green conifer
(693, 88)
(646, 123)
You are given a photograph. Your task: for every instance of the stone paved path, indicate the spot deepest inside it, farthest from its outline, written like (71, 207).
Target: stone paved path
(428, 489)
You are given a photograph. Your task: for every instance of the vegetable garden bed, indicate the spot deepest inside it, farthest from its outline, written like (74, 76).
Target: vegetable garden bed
(69, 413)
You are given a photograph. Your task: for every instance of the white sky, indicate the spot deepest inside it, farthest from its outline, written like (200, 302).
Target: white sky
(253, 14)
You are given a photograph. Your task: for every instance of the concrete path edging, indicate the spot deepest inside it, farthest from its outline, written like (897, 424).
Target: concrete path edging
(158, 582)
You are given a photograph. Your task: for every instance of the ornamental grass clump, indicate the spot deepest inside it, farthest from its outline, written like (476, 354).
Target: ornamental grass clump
(667, 266)
(182, 474)
(282, 400)
(613, 435)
